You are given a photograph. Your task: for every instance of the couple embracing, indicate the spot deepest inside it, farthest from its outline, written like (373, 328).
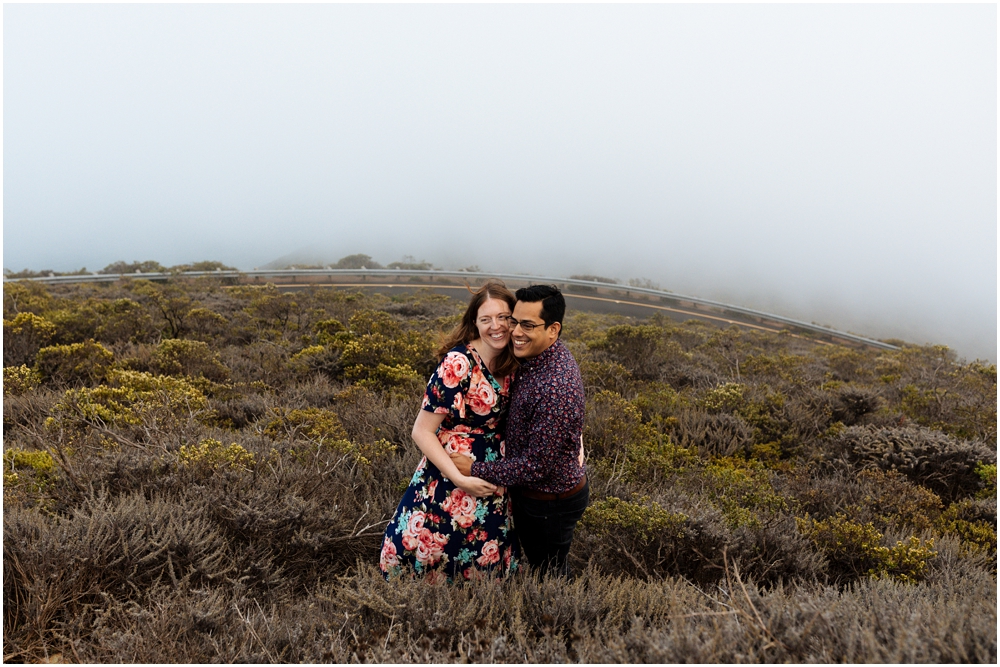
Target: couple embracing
(501, 430)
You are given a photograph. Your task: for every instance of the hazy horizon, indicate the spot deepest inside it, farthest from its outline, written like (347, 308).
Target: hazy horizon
(832, 163)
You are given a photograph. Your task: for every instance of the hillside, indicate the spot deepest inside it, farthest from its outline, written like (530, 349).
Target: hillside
(196, 472)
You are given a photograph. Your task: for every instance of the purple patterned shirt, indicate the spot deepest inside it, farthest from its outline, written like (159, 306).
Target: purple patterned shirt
(544, 426)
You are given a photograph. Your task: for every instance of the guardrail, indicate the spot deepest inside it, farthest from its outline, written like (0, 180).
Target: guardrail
(531, 279)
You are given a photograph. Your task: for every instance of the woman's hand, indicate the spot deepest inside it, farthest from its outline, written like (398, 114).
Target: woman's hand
(474, 486)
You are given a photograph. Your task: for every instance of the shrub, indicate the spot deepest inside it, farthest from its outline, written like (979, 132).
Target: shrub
(24, 297)
(33, 471)
(974, 523)
(310, 424)
(23, 336)
(210, 454)
(397, 375)
(643, 519)
(205, 324)
(987, 473)
(323, 429)
(743, 491)
(19, 380)
(636, 348)
(326, 329)
(77, 363)
(725, 398)
(898, 501)
(640, 537)
(130, 398)
(855, 550)
(853, 403)
(124, 320)
(621, 445)
(188, 357)
(316, 359)
(605, 375)
(712, 435)
(939, 462)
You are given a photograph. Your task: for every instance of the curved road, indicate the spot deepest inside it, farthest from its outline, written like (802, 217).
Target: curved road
(638, 300)
(594, 304)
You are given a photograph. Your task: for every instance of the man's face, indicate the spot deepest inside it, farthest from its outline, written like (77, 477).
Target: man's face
(529, 344)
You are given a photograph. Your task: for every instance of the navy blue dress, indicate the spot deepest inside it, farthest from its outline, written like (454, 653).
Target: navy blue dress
(438, 529)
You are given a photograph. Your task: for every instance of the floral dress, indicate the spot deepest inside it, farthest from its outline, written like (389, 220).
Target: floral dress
(438, 529)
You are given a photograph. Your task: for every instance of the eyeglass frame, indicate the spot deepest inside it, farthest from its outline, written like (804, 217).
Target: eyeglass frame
(526, 327)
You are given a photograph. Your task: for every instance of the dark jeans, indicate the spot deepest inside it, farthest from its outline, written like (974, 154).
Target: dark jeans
(545, 528)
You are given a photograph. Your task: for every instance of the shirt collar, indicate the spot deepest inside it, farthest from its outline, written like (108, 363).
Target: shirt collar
(544, 356)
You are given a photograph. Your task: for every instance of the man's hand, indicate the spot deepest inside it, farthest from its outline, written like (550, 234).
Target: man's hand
(463, 463)
(581, 459)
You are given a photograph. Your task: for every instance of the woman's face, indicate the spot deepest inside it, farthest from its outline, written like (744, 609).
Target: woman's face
(492, 323)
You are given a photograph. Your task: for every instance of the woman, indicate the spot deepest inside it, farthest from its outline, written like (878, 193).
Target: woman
(448, 524)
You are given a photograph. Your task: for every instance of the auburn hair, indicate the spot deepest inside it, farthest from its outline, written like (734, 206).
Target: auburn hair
(466, 331)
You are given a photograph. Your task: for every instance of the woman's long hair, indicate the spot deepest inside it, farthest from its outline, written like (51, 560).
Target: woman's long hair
(506, 363)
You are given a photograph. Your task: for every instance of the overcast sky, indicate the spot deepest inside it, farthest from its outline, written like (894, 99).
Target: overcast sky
(834, 163)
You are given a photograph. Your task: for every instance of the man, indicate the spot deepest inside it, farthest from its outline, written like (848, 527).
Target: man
(543, 466)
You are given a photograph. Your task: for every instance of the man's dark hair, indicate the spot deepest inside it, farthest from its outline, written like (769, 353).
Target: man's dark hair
(553, 303)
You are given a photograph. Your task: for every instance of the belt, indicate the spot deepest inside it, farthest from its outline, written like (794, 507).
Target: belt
(542, 495)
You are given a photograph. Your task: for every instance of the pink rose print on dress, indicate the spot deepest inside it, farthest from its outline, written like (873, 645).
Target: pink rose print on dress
(388, 558)
(481, 397)
(454, 368)
(430, 546)
(459, 444)
(491, 554)
(413, 528)
(462, 508)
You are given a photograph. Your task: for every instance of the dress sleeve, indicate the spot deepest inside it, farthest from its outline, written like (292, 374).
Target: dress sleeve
(447, 387)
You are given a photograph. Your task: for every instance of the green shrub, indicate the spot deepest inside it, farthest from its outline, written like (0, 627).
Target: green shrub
(621, 445)
(898, 501)
(193, 358)
(644, 520)
(205, 324)
(210, 454)
(727, 397)
(24, 297)
(124, 320)
(23, 336)
(742, 489)
(326, 329)
(987, 473)
(316, 359)
(76, 363)
(975, 527)
(128, 399)
(605, 375)
(29, 470)
(19, 380)
(855, 550)
(310, 424)
(322, 428)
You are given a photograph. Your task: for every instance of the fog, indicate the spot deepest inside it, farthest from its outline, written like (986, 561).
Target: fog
(833, 163)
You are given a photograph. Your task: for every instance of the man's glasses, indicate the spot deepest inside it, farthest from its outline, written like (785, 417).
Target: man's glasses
(526, 327)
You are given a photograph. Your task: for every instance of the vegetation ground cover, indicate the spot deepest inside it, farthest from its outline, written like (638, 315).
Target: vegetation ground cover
(196, 472)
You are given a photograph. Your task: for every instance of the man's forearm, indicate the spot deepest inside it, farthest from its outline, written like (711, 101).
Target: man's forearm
(508, 472)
